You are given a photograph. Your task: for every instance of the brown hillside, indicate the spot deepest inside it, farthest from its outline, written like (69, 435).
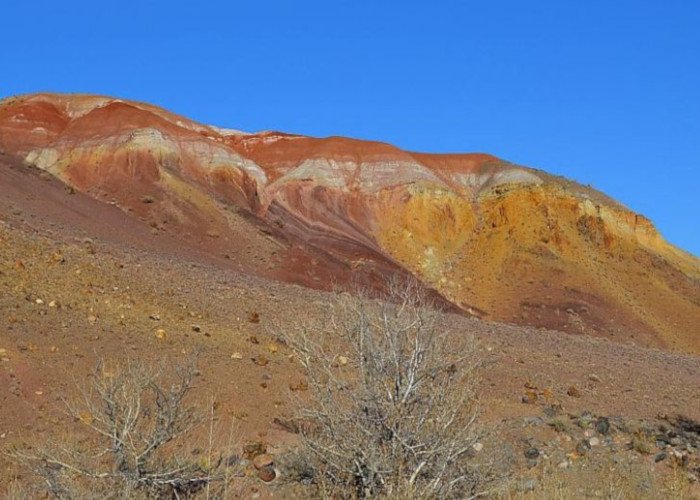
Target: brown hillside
(494, 239)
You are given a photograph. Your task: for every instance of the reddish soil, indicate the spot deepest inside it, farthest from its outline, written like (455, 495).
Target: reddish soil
(91, 250)
(491, 239)
(108, 273)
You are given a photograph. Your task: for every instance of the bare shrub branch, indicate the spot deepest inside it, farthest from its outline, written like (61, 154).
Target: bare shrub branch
(135, 415)
(392, 407)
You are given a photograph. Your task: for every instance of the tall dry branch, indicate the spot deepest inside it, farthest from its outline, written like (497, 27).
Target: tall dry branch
(392, 407)
(135, 416)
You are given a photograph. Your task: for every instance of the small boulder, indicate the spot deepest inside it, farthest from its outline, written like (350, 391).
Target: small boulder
(573, 392)
(253, 449)
(529, 398)
(583, 446)
(263, 460)
(267, 474)
(602, 425)
(260, 360)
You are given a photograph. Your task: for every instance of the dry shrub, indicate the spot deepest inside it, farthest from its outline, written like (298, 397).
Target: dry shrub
(138, 420)
(606, 480)
(391, 408)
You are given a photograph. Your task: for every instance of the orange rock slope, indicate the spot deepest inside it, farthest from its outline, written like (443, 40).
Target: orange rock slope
(496, 240)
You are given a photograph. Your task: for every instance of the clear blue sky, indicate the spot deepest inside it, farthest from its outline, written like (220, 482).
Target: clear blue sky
(604, 92)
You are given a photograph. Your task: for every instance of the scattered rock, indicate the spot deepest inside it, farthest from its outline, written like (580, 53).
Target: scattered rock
(263, 460)
(594, 441)
(342, 360)
(478, 447)
(583, 446)
(585, 421)
(260, 360)
(236, 355)
(196, 328)
(660, 456)
(154, 317)
(301, 386)
(267, 474)
(532, 453)
(529, 398)
(160, 334)
(147, 199)
(553, 410)
(90, 246)
(602, 425)
(573, 392)
(253, 449)
(39, 301)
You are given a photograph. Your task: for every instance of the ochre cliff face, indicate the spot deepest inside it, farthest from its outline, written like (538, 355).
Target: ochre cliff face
(496, 240)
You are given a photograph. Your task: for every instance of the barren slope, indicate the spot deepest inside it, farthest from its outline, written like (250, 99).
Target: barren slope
(496, 240)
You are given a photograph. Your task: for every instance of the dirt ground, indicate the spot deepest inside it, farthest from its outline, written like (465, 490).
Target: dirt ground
(81, 281)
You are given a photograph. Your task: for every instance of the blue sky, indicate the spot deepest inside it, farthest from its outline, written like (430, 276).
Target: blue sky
(603, 92)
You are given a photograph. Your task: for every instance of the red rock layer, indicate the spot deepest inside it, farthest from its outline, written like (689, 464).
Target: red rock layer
(492, 238)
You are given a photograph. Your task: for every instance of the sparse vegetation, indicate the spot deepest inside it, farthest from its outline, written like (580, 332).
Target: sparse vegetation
(608, 481)
(641, 443)
(560, 423)
(392, 408)
(137, 418)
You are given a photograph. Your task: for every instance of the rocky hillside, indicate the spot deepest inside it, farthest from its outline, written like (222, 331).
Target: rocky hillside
(493, 239)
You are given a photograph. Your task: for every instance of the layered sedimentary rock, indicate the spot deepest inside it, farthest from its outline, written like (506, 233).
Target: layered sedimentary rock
(494, 239)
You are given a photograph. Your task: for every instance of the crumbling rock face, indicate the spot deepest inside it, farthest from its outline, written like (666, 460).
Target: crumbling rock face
(493, 239)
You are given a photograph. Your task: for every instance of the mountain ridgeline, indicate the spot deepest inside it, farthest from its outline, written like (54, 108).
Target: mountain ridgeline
(490, 238)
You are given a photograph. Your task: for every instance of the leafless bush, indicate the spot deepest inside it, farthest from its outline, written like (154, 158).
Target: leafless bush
(137, 416)
(392, 401)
